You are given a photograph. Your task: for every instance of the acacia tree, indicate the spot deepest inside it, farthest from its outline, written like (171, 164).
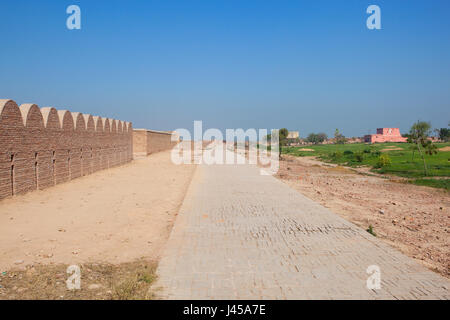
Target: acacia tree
(339, 137)
(418, 136)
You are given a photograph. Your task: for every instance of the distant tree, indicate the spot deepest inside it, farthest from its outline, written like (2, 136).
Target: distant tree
(418, 136)
(443, 134)
(322, 137)
(312, 138)
(283, 133)
(339, 137)
(316, 138)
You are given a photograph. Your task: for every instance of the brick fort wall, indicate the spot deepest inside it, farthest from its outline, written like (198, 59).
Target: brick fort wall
(42, 147)
(146, 142)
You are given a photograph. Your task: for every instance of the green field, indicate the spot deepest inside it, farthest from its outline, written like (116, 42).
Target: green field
(402, 163)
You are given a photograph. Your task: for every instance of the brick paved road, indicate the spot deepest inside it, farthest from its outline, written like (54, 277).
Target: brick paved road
(241, 235)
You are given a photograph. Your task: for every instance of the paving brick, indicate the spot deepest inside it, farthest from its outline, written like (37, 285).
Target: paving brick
(252, 237)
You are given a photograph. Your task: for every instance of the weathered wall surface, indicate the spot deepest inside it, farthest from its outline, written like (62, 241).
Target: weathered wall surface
(146, 142)
(43, 147)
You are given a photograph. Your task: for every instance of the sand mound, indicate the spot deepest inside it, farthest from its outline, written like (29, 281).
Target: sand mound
(447, 148)
(305, 149)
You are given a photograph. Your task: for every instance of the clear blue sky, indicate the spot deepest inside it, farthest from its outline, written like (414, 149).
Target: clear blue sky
(305, 65)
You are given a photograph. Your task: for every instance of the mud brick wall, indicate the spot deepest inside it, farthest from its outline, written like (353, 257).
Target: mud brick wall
(146, 142)
(41, 147)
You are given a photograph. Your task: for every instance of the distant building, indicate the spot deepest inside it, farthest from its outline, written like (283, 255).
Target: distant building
(385, 135)
(293, 135)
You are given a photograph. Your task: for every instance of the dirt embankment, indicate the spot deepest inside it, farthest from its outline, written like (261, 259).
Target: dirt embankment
(413, 219)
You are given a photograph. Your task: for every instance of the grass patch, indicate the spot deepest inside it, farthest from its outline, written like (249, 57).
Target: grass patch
(435, 183)
(401, 158)
(370, 230)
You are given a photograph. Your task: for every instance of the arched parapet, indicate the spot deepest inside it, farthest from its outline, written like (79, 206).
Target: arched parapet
(79, 124)
(128, 128)
(90, 124)
(77, 144)
(41, 145)
(29, 150)
(88, 150)
(31, 116)
(120, 142)
(113, 143)
(10, 115)
(66, 120)
(52, 142)
(106, 126)
(106, 144)
(51, 118)
(98, 121)
(33, 145)
(97, 143)
(11, 133)
(65, 143)
(113, 124)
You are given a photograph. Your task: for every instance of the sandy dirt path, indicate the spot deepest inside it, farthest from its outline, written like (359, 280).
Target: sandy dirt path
(112, 216)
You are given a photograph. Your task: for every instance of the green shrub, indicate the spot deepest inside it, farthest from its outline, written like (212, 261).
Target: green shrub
(376, 153)
(348, 152)
(337, 155)
(383, 161)
(368, 150)
(359, 156)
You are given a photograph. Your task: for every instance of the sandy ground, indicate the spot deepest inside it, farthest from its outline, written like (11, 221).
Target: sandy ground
(113, 216)
(413, 219)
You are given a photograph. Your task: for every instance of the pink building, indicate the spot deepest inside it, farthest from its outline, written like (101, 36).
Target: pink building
(385, 135)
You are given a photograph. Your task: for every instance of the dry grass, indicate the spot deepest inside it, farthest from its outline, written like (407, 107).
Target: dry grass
(126, 281)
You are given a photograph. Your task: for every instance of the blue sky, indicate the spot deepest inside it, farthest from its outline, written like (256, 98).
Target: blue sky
(306, 65)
